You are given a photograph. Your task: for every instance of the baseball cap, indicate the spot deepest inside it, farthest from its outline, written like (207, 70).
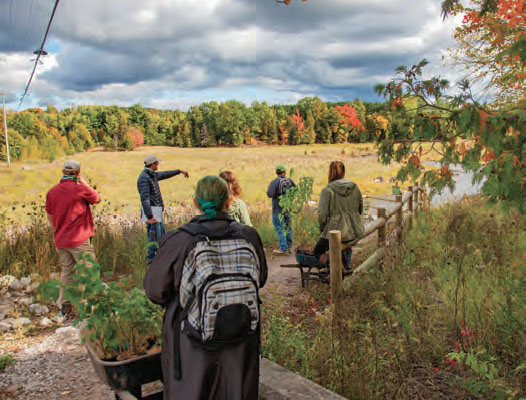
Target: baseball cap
(280, 168)
(71, 165)
(148, 160)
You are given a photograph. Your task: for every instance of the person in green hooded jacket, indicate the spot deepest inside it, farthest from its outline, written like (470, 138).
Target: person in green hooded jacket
(340, 208)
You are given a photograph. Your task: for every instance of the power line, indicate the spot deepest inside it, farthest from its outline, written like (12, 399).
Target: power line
(39, 52)
(5, 131)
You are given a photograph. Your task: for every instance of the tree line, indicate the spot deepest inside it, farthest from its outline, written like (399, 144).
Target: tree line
(48, 134)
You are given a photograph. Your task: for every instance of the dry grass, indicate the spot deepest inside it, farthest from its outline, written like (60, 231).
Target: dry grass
(115, 174)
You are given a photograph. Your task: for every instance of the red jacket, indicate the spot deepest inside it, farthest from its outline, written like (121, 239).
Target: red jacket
(69, 205)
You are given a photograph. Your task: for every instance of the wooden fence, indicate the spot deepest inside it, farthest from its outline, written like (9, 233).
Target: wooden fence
(414, 199)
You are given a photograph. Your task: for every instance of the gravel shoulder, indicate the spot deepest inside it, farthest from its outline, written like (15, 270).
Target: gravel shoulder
(53, 364)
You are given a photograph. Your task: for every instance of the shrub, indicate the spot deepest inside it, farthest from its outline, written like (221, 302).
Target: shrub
(121, 321)
(5, 361)
(444, 316)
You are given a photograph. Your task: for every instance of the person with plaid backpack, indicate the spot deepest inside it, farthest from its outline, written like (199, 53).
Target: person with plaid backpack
(207, 274)
(281, 220)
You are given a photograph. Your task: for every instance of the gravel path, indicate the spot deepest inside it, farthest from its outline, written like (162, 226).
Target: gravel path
(56, 367)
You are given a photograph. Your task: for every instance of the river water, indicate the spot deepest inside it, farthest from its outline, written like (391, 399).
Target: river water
(464, 186)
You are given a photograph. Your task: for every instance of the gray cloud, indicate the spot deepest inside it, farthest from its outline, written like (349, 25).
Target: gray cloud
(129, 51)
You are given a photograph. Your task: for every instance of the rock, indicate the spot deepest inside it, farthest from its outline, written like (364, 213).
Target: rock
(378, 179)
(15, 285)
(25, 281)
(25, 300)
(3, 313)
(18, 321)
(59, 318)
(32, 288)
(68, 334)
(38, 309)
(6, 280)
(4, 327)
(45, 322)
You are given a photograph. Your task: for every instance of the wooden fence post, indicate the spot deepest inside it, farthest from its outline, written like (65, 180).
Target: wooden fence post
(410, 208)
(382, 236)
(336, 267)
(399, 217)
(415, 198)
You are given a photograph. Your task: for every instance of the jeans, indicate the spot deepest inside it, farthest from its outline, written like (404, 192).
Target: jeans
(154, 231)
(322, 246)
(284, 231)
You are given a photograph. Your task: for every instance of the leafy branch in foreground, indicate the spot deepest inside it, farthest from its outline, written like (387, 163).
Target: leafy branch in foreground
(491, 142)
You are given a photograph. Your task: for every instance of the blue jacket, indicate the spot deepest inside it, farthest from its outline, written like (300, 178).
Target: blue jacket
(274, 194)
(149, 188)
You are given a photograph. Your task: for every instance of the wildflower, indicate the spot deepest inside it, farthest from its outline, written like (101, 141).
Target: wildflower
(435, 369)
(447, 360)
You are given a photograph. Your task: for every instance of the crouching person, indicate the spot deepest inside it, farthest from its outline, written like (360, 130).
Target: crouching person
(207, 274)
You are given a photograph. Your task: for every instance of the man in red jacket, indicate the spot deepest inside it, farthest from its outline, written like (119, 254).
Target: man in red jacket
(68, 209)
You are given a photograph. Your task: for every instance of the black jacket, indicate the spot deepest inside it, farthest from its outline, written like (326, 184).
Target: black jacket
(149, 188)
(231, 373)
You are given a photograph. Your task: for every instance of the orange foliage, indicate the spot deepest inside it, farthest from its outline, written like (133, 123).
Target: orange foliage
(348, 117)
(488, 155)
(416, 160)
(298, 121)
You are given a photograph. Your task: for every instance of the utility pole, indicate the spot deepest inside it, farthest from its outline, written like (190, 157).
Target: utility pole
(5, 131)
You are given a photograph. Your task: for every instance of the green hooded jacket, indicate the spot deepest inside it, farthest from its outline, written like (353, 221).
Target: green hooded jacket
(238, 211)
(340, 208)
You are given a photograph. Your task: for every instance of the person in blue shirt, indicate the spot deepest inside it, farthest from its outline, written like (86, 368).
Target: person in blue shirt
(282, 226)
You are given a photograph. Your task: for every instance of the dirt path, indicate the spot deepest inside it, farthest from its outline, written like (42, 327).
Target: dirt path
(285, 281)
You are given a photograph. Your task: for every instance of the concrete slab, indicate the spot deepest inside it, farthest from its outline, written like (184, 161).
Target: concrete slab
(278, 383)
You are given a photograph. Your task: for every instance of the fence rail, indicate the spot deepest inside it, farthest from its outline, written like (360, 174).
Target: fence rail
(414, 201)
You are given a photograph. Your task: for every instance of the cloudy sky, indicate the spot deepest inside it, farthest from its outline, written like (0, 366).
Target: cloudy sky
(176, 53)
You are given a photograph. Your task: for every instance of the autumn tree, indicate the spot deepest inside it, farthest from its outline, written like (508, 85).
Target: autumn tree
(348, 123)
(490, 45)
(489, 142)
(204, 137)
(297, 129)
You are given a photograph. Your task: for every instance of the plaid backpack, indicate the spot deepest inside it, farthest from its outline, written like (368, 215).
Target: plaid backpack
(284, 185)
(219, 291)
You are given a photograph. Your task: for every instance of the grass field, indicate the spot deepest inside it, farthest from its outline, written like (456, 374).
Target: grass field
(115, 174)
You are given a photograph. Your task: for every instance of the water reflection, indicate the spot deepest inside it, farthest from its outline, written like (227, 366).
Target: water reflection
(463, 186)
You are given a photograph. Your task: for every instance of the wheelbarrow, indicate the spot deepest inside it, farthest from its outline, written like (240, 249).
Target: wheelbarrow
(126, 377)
(311, 268)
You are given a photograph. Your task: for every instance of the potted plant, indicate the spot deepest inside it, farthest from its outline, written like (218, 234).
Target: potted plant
(121, 328)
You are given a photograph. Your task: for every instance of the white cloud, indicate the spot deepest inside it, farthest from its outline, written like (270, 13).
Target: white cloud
(180, 52)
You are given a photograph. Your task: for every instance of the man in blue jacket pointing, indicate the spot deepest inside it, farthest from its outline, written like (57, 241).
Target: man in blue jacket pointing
(152, 205)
